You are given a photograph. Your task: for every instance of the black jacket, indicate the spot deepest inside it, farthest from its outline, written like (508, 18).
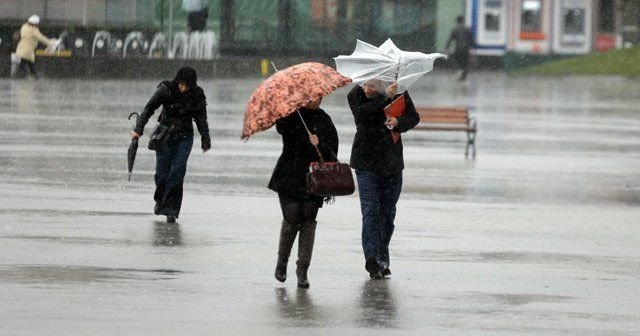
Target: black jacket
(373, 148)
(462, 37)
(178, 111)
(289, 175)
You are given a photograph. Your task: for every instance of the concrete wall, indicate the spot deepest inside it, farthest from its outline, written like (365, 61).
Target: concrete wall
(82, 12)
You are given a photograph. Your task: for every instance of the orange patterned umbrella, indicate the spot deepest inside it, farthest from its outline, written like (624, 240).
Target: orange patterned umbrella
(286, 91)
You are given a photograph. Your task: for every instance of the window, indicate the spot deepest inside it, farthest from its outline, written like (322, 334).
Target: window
(573, 20)
(492, 15)
(531, 19)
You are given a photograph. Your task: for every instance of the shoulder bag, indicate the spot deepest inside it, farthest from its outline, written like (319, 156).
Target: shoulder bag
(328, 179)
(159, 139)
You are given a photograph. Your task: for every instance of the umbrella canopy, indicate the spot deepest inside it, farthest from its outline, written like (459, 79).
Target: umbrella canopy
(387, 63)
(286, 91)
(133, 148)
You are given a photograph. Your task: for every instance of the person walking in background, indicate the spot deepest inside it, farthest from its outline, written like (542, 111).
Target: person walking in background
(30, 35)
(183, 102)
(197, 14)
(299, 210)
(463, 40)
(378, 162)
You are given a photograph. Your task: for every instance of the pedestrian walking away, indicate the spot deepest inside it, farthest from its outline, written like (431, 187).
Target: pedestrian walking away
(183, 102)
(299, 210)
(30, 35)
(378, 162)
(463, 40)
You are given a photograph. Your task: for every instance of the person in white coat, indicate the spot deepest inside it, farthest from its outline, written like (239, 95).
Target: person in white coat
(30, 35)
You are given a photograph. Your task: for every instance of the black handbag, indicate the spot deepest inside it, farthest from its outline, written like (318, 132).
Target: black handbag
(328, 179)
(159, 140)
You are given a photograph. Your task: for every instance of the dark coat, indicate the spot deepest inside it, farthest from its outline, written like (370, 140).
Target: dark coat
(289, 175)
(463, 39)
(178, 111)
(373, 148)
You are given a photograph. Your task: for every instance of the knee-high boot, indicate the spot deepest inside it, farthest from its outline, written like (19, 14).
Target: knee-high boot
(288, 233)
(305, 249)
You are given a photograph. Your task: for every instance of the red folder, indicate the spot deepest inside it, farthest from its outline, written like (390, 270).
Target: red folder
(395, 110)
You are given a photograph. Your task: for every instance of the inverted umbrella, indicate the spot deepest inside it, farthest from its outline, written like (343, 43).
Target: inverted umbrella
(287, 90)
(387, 63)
(133, 147)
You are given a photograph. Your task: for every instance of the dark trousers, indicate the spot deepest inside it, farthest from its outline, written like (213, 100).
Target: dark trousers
(171, 167)
(26, 66)
(299, 217)
(378, 198)
(461, 58)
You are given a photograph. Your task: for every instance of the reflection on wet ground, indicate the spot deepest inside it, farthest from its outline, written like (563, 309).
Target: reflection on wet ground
(538, 236)
(71, 275)
(167, 234)
(377, 305)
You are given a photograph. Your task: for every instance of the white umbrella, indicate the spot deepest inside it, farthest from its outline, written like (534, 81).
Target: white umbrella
(387, 63)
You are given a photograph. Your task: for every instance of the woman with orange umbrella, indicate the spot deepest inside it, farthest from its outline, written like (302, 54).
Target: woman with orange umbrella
(290, 99)
(299, 209)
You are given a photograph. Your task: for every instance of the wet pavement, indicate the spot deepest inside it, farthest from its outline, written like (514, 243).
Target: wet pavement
(537, 236)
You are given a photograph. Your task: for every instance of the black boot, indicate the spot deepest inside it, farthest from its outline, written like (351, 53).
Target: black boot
(301, 272)
(287, 237)
(305, 250)
(373, 267)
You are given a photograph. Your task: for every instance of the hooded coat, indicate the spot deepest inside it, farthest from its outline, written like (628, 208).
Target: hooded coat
(179, 110)
(30, 35)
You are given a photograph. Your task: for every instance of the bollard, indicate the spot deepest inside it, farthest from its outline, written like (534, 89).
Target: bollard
(264, 67)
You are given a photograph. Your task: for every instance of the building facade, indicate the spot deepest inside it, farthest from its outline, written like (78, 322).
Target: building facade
(546, 27)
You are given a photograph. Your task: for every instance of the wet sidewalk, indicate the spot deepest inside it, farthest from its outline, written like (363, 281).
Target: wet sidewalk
(538, 236)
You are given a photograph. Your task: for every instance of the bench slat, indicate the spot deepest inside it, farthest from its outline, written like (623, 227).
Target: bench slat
(423, 110)
(444, 128)
(447, 120)
(440, 113)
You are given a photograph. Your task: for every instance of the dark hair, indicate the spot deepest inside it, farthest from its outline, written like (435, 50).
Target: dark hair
(460, 19)
(188, 76)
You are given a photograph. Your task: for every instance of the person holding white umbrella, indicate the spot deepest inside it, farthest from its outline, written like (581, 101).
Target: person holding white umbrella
(376, 154)
(30, 35)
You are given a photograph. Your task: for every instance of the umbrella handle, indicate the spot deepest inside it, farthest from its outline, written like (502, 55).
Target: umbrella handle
(137, 117)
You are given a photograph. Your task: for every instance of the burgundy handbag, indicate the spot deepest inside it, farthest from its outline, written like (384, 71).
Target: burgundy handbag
(327, 179)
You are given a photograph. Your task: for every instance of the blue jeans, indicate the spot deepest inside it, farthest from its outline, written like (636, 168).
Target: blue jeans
(171, 166)
(378, 197)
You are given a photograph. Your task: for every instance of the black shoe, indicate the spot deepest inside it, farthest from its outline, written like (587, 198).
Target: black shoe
(156, 209)
(281, 271)
(303, 282)
(372, 265)
(386, 272)
(376, 276)
(171, 219)
(373, 268)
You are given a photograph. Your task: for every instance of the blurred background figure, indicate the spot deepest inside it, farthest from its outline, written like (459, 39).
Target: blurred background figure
(198, 13)
(463, 40)
(30, 35)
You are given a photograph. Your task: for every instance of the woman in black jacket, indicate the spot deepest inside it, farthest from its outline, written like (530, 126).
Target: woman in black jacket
(299, 210)
(183, 102)
(378, 162)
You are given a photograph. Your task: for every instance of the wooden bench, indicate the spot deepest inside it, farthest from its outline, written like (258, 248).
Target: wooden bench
(449, 119)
